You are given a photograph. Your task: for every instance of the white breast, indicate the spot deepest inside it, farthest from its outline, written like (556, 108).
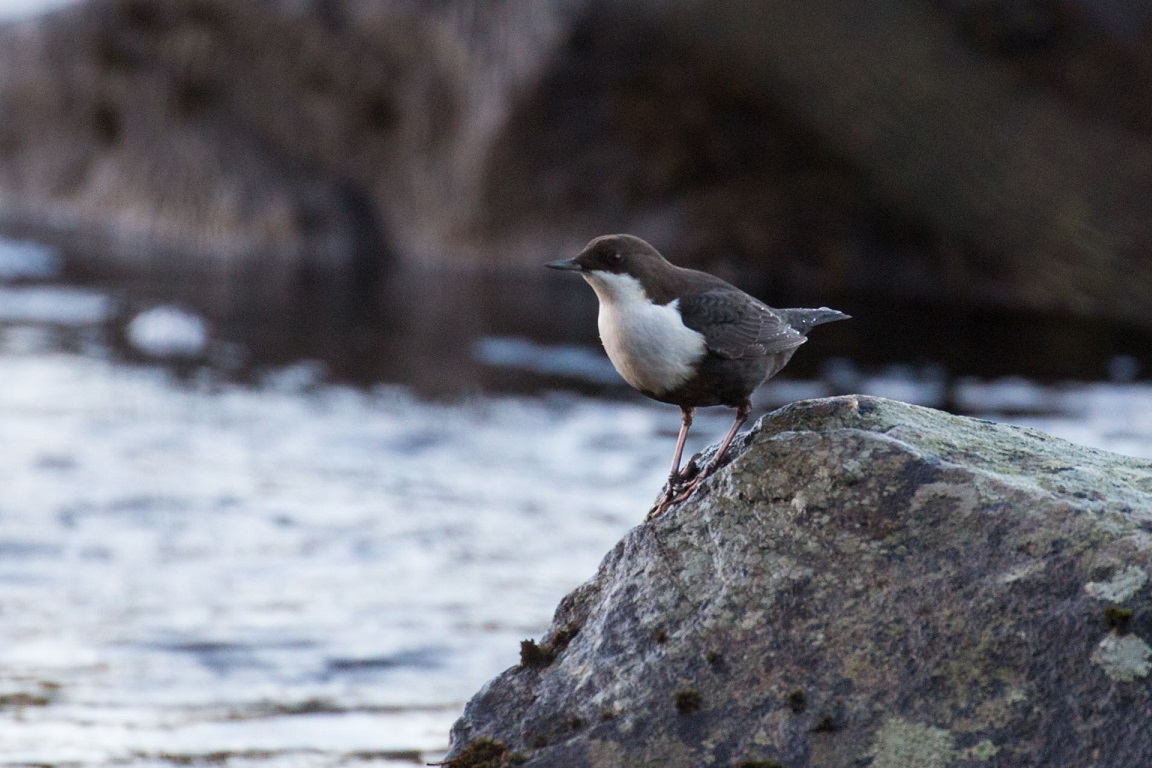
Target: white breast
(648, 343)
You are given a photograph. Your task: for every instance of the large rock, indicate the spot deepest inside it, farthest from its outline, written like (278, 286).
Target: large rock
(866, 583)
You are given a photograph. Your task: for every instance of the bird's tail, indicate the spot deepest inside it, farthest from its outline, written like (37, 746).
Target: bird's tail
(804, 320)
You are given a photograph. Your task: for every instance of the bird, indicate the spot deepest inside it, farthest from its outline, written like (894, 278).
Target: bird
(687, 338)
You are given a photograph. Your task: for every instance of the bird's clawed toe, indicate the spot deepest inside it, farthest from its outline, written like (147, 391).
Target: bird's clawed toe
(686, 474)
(678, 488)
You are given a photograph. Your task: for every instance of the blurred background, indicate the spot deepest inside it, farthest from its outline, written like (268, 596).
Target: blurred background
(297, 439)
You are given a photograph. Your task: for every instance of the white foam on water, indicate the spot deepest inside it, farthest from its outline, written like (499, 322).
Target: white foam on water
(15, 10)
(25, 260)
(168, 332)
(1109, 416)
(54, 305)
(568, 360)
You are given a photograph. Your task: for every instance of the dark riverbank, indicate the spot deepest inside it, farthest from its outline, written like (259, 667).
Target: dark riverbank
(428, 328)
(992, 159)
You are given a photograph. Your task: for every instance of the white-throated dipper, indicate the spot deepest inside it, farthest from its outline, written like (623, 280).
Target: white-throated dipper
(687, 338)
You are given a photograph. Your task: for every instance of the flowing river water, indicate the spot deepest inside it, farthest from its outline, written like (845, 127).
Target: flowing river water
(205, 560)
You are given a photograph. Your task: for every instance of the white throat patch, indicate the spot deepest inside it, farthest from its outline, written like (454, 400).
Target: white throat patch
(648, 343)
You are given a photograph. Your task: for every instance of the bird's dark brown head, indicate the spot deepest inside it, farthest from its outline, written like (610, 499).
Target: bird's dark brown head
(617, 254)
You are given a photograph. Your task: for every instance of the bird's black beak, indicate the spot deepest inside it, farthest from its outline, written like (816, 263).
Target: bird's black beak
(566, 264)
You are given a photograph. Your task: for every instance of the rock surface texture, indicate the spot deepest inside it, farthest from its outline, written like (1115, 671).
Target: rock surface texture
(866, 583)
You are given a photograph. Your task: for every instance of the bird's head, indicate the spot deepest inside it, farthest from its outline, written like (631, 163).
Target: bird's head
(609, 255)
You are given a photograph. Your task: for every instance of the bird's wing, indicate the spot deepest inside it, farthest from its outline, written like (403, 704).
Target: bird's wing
(735, 325)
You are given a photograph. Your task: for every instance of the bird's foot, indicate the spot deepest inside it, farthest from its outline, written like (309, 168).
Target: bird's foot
(673, 495)
(687, 473)
(659, 507)
(678, 488)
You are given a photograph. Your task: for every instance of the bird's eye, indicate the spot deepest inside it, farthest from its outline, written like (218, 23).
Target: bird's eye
(615, 258)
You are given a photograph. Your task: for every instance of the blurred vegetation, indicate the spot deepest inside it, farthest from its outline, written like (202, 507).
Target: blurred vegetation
(980, 152)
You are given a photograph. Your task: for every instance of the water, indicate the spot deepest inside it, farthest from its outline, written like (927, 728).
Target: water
(262, 556)
(19, 10)
(196, 568)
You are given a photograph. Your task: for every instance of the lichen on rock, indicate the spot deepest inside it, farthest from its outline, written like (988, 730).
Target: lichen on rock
(901, 744)
(1120, 587)
(1123, 657)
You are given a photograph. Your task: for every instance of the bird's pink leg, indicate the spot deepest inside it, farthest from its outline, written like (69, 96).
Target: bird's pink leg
(672, 486)
(685, 424)
(674, 495)
(741, 417)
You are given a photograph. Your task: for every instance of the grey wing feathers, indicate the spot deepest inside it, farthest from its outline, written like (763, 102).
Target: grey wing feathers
(735, 325)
